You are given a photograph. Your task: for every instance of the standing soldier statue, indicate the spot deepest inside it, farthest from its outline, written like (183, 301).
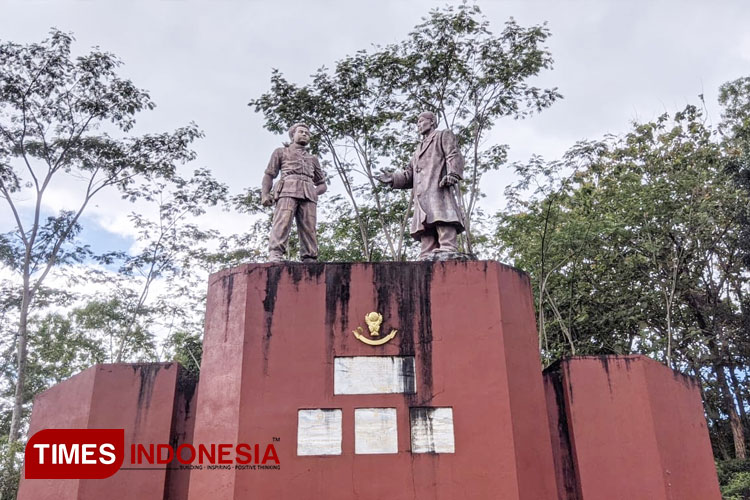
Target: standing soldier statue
(436, 167)
(295, 195)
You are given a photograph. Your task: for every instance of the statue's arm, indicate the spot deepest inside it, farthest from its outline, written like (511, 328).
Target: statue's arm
(319, 178)
(404, 179)
(265, 190)
(400, 179)
(454, 160)
(272, 170)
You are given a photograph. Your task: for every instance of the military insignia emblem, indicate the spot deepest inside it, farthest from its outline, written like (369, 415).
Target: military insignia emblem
(373, 320)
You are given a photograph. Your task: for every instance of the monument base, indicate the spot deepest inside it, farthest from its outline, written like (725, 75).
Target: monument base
(627, 427)
(386, 380)
(451, 406)
(153, 402)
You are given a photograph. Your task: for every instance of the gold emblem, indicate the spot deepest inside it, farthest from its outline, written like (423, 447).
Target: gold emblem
(373, 320)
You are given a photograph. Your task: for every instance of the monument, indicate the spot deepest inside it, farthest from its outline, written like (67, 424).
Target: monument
(397, 380)
(421, 415)
(295, 195)
(385, 380)
(433, 173)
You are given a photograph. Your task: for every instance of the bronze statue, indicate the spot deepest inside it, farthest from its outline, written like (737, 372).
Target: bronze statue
(295, 195)
(436, 167)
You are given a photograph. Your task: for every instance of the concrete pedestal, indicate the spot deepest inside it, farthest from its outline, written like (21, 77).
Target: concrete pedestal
(452, 407)
(626, 427)
(437, 394)
(140, 398)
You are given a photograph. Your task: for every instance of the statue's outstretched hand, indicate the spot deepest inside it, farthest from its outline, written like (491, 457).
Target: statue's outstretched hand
(385, 177)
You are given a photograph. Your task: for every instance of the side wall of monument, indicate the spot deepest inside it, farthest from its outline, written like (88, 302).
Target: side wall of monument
(628, 427)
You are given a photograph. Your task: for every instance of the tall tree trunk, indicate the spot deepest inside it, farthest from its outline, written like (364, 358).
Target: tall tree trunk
(712, 413)
(15, 422)
(738, 431)
(739, 395)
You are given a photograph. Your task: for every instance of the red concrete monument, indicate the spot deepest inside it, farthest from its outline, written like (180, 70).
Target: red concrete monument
(452, 406)
(143, 399)
(627, 427)
(386, 380)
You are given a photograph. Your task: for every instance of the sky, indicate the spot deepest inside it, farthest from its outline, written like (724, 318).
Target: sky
(201, 61)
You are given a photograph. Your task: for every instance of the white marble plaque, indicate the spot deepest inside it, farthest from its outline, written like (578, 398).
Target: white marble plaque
(319, 432)
(375, 431)
(432, 430)
(374, 375)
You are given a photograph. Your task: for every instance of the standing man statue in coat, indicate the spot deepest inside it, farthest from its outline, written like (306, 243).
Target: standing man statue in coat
(295, 195)
(435, 168)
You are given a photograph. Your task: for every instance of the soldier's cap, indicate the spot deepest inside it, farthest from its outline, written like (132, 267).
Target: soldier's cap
(294, 127)
(430, 115)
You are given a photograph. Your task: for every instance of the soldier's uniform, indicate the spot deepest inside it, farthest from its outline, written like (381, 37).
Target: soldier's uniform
(296, 198)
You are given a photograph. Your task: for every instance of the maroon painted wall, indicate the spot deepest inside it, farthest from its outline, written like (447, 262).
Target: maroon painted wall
(273, 331)
(627, 427)
(136, 397)
(614, 427)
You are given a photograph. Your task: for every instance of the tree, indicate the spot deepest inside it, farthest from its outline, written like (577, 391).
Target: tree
(634, 244)
(67, 118)
(364, 111)
(173, 249)
(735, 128)
(453, 65)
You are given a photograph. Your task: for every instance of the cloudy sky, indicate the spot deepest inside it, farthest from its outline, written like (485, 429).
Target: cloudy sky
(615, 62)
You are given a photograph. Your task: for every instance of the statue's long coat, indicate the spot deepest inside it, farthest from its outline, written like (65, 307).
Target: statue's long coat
(435, 157)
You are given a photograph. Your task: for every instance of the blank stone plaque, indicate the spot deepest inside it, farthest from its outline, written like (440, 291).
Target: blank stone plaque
(375, 431)
(319, 432)
(374, 375)
(432, 430)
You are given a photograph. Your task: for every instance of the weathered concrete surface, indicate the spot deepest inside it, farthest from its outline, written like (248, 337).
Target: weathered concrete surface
(618, 427)
(183, 423)
(627, 427)
(432, 430)
(273, 332)
(136, 397)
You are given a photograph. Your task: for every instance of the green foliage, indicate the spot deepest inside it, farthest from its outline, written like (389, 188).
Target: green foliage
(60, 348)
(188, 350)
(738, 487)
(734, 479)
(635, 244)
(735, 97)
(63, 119)
(10, 472)
(632, 242)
